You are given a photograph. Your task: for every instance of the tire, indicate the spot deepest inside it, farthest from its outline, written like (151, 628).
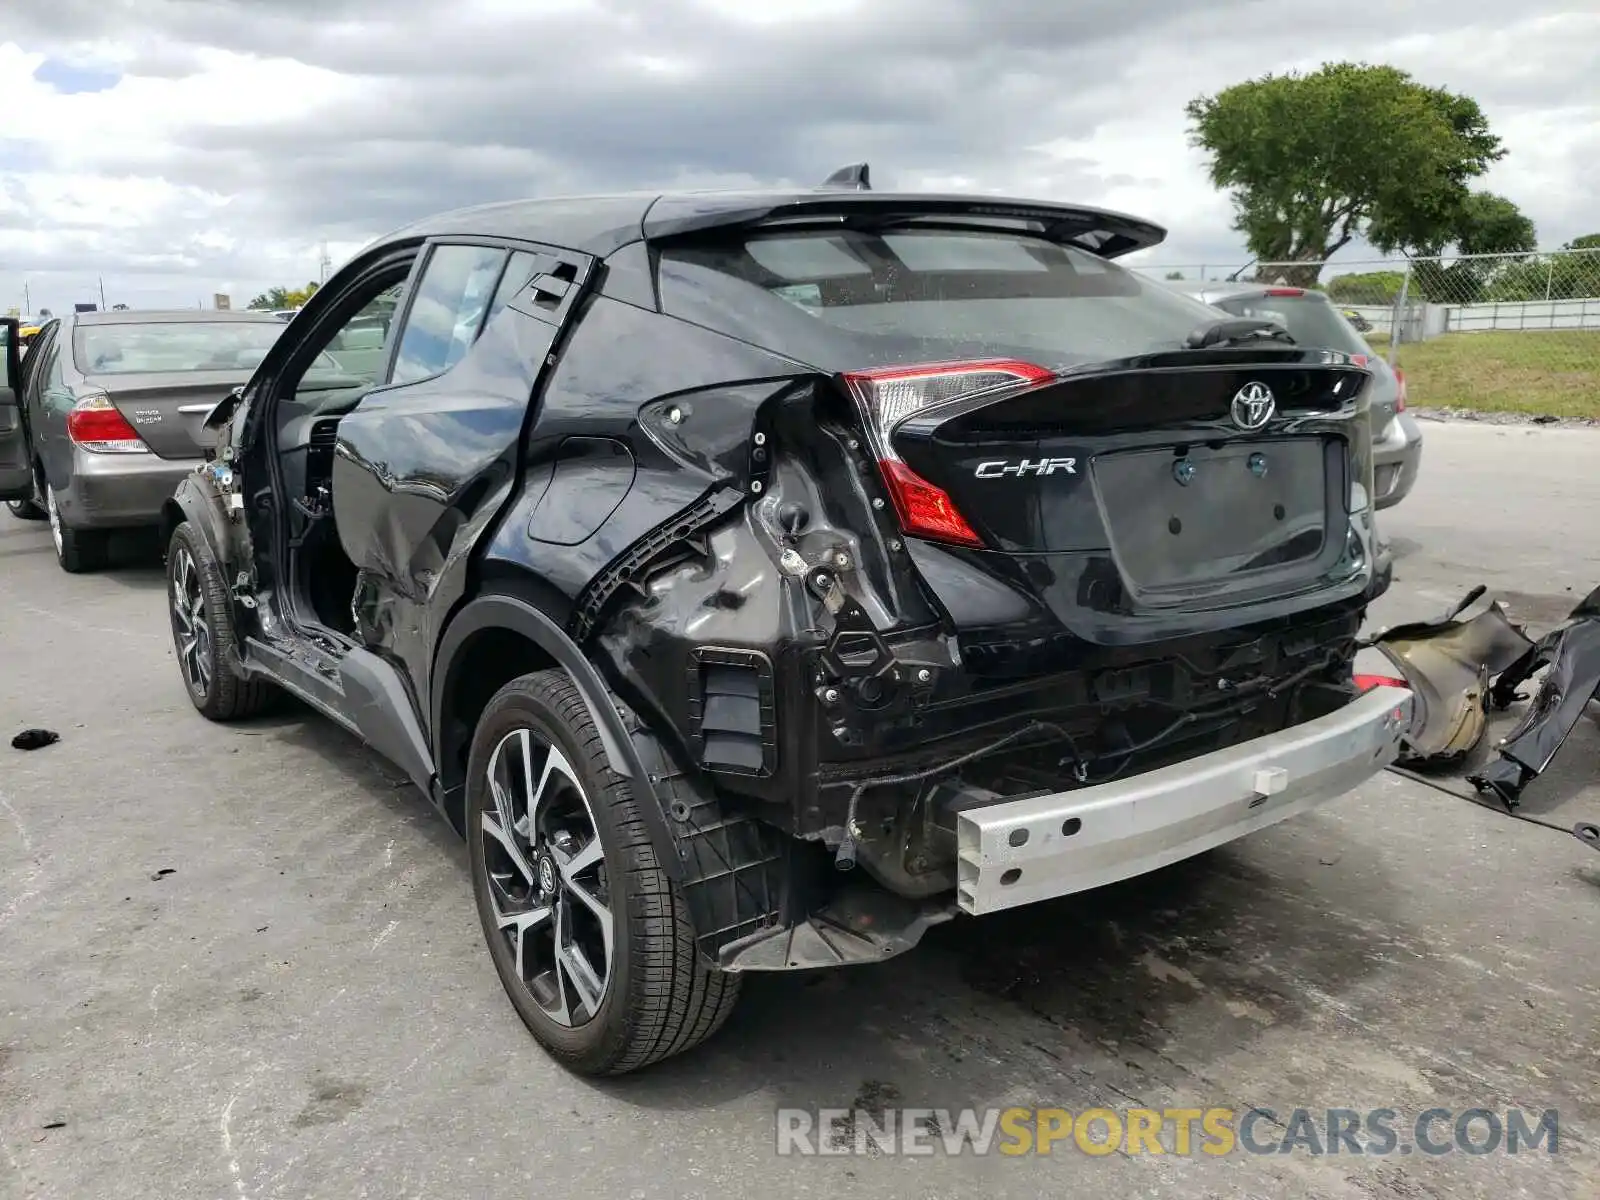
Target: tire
(200, 611)
(658, 997)
(77, 550)
(31, 509)
(26, 510)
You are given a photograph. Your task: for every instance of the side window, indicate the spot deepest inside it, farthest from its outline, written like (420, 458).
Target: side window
(357, 348)
(519, 272)
(54, 380)
(448, 310)
(42, 369)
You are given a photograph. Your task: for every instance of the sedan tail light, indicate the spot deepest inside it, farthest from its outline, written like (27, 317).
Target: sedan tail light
(1400, 391)
(1365, 683)
(886, 396)
(94, 424)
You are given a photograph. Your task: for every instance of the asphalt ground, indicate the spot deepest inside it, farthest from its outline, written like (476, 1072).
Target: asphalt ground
(243, 962)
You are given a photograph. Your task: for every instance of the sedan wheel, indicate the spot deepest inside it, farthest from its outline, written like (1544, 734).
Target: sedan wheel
(77, 550)
(31, 509)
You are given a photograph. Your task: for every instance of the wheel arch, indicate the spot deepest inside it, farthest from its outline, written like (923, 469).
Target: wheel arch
(196, 503)
(492, 639)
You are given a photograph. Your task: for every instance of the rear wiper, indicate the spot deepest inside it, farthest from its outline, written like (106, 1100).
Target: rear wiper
(1230, 331)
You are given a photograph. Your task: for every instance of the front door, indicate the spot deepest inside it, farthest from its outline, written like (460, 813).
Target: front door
(16, 460)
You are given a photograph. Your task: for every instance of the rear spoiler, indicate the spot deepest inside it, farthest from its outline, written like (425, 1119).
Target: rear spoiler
(1107, 234)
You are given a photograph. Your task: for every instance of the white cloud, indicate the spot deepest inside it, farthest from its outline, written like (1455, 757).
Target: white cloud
(242, 136)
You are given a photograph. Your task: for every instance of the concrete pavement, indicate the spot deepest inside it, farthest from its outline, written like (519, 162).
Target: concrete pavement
(243, 962)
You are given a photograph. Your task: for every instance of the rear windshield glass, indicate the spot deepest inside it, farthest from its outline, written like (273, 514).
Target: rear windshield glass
(840, 299)
(1310, 320)
(173, 346)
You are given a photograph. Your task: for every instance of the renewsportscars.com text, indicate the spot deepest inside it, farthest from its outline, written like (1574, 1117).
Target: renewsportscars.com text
(1177, 1131)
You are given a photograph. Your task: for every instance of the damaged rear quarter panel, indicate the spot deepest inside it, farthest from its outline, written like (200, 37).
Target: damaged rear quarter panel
(593, 395)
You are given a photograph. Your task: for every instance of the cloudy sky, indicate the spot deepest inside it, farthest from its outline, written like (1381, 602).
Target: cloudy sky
(181, 147)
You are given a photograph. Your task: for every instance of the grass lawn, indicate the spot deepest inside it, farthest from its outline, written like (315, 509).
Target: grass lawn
(1556, 372)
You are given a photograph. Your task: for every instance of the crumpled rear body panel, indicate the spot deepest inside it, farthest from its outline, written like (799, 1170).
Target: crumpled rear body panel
(1448, 664)
(1572, 654)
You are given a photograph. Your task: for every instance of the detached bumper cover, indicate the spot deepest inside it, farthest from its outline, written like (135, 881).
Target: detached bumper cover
(1023, 851)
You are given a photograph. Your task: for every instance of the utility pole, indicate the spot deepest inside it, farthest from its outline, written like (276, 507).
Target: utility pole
(323, 266)
(102, 293)
(27, 300)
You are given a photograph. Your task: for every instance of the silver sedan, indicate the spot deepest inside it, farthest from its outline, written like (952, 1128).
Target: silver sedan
(113, 405)
(1313, 320)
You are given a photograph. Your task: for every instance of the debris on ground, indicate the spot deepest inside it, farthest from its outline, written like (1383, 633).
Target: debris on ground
(1459, 670)
(1448, 663)
(1571, 651)
(35, 739)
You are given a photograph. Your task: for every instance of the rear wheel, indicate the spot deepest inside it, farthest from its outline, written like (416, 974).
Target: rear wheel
(77, 550)
(203, 639)
(591, 940)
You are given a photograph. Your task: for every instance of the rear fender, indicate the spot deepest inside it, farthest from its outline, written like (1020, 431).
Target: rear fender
(197, 501)
(696, 842)
(498, 611)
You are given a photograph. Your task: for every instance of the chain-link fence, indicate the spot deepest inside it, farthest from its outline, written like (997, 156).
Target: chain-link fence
(1494, 332)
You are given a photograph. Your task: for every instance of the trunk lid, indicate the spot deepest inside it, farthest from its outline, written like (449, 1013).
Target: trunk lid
(167, 409)
(1116, 494)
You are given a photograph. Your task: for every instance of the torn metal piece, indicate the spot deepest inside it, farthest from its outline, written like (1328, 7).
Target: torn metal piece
(860, 925)
(1448, 663)
(1572, 653)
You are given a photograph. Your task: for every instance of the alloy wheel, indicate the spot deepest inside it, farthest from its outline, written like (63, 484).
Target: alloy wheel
(189, 621)
(547, 877)
(54, 515)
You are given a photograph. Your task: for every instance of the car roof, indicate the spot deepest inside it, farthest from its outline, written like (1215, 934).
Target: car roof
(158, 316)
(602, 224)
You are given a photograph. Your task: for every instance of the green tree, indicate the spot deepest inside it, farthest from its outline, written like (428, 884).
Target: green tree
(1313, 161)
(1572, 273)
(281, 297)
(1366, 287)
(1485, 224)
(1174, 274)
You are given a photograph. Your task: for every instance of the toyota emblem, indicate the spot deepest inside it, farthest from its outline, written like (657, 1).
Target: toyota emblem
(1253, 406)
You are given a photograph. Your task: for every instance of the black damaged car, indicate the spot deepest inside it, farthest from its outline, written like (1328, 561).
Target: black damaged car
(756, 580)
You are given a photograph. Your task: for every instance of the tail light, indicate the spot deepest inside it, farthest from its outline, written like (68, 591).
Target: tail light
(1365, 683)
(1400, 390)
(94, 424)
(888, 395)
(1286, 291)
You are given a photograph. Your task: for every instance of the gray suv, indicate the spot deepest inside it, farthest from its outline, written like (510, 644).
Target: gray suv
(1313, 320)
